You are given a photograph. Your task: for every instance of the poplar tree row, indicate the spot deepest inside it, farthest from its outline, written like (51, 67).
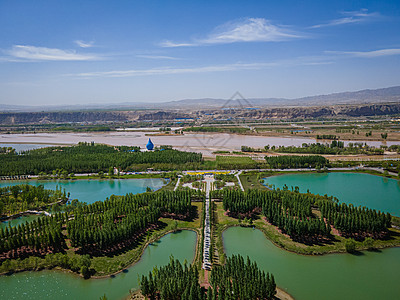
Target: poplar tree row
(123, 218)
(100, 225)
(289, 211)
(355, 221)
(87, 157)
(240, 203)
(39, 234)
(292, 213)
(237, 279)
(240, 279)
(293, 161)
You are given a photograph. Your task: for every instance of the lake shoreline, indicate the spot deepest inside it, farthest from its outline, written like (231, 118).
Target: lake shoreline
(280, 241)
(144, 246)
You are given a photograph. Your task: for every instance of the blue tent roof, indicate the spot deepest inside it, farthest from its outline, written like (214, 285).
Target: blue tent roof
(150, 145)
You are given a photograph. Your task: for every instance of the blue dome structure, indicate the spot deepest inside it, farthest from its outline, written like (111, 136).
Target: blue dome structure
(150, 145)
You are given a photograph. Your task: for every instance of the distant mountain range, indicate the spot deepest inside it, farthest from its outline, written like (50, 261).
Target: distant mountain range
(384, 95)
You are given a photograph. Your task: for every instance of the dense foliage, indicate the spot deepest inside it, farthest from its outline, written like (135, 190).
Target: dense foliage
(335, 147)
(226, 177)
(250, 149)
(99, 227)
(7, 150)
(292, 161)
(291, 212)
(353, 221)
(19, 198)
(326, 137)
(90, 157)
(121, 219)
(238, 279)
(36, 236)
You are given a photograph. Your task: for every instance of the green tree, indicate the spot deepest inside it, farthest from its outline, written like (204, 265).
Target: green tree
(85, 272)
(350, 245)
(369, 243)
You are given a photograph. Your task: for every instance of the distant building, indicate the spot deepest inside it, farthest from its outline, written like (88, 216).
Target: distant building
(150, 145)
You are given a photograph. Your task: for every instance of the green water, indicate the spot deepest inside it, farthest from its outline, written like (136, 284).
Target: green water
(62, 285)
(359, 189)
(18, 221)
(372, 275)
(92, 190)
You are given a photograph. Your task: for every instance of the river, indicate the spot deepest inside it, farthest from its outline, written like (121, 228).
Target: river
(205, 143)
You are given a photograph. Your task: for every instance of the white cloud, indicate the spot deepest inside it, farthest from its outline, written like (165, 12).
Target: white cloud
(367, 54)
(247, 30)
(157, 57)
(33, 53)
(166, 71)
(301, 61)
(350, 17)
(83, 44)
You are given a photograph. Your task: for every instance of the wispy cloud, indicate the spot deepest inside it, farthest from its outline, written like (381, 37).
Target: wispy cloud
(166, 71)
(245, 30)
(350, 17)
(20, 53)
(157, 57)
(367, 54)
(83, 44)
(206, 69)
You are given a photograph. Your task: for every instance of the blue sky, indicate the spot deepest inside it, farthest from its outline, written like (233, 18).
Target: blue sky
(78, 52)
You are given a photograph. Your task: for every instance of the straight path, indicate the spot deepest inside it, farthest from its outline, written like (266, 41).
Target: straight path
(207, 225)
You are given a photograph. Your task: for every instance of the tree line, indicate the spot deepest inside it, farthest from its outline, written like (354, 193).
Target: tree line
(37, 236)
(19, 198)
(121, 219)
(90, 157)
(289, 211)
(108, 226)
(292, 213)
(335, 147)
(237, 279)
(357, 222)
(292, 161)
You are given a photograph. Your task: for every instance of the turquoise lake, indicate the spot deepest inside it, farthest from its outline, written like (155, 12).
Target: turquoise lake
(357, 188)
(92, 190)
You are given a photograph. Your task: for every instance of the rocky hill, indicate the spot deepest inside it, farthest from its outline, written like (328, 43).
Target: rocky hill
(103, 117)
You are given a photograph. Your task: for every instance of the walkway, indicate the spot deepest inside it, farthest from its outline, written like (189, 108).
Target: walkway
(238, 178)
(177, 183)
(207, 225)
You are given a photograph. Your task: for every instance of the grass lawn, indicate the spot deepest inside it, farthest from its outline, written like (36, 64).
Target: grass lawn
(249, 181)
(235, 162)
